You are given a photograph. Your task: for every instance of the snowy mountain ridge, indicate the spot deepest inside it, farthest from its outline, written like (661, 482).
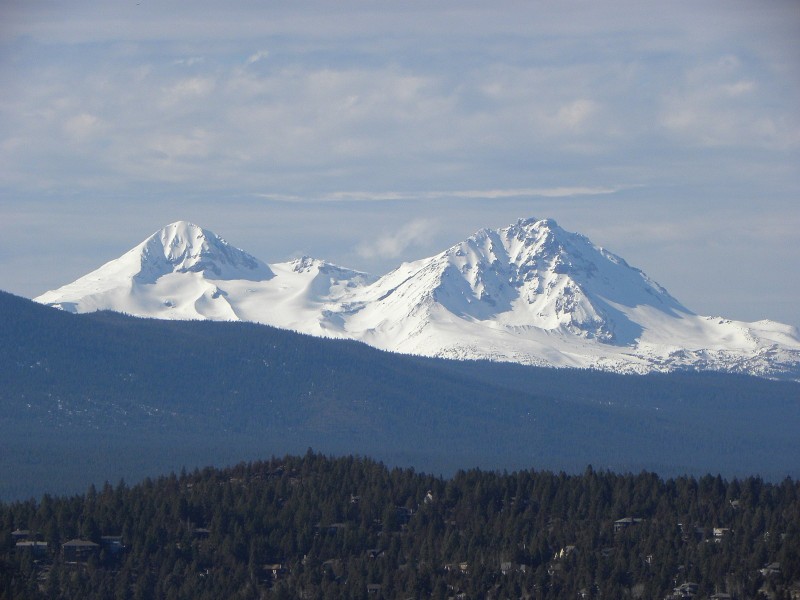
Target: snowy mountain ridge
(530, 293)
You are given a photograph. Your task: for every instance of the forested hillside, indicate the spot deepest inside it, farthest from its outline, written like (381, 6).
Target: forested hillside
(319, 527)
(88, 398)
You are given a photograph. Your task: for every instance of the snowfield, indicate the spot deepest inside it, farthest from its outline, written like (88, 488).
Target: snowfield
(529, 293)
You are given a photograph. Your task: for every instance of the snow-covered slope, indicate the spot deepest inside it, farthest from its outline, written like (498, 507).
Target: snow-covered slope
(529, 293)
(169, 275)
(186, 272)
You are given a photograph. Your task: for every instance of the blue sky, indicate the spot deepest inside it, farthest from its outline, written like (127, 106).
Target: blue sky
(369, 133)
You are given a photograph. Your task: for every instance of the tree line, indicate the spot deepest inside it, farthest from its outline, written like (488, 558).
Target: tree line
(315, 526)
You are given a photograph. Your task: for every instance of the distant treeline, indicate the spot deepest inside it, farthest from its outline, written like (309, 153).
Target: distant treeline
(320, 527)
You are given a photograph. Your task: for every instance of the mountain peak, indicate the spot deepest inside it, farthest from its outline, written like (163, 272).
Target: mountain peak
(183, 247)
(182, 230)
(179, 248)
(535, 223)
(534, 273)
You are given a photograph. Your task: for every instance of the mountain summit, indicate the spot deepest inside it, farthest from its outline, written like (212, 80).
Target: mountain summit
(177, 261)
(183, 247)
(532, 274)
(531, 293)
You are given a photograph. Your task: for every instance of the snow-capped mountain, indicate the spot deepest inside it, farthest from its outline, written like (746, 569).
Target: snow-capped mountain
(531, 275)
(530, 293)
(187, 272)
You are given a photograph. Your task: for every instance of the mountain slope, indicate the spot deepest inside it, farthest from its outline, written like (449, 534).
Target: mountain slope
(99, 396)
(530, 293)
(528, 278)
(177, 262)
(186, 272)
(535, 294)
(535, 274)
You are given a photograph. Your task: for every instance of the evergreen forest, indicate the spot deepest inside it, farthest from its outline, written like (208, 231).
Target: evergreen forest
(104, 396)
(315, 526)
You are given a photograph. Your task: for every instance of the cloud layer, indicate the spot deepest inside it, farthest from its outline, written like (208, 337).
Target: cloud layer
(331, 106)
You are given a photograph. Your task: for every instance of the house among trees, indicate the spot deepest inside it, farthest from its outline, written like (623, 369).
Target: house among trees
(622, 524)
(462, 567)
(76, 551)
(112, 544)
(331, 529)
(564, 552)
(685, 590)
(507, 567)
(32, 546)
(332, 566)
(720, 533)
(276, 570)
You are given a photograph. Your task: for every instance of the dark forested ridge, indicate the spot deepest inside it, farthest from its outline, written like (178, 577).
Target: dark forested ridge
(319, 527)
(88, 398)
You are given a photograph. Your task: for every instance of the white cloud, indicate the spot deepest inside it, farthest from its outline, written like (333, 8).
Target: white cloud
(195, 143)
(186, 90)
(393, 244)
(458, 113)
(83, 126)
(189, 61)
(739, 88)
(556, 192)
(257, 57)
(720, 105)
(574, 115)
(487, 194)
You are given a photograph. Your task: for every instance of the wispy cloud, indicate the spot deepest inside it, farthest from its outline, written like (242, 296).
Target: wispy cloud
(488, 194)
(574, 114)
(186, 90)
(394, 243)
(257, 57)
(189, 61)
(83, 126)
(719, 103)
(348, 114)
